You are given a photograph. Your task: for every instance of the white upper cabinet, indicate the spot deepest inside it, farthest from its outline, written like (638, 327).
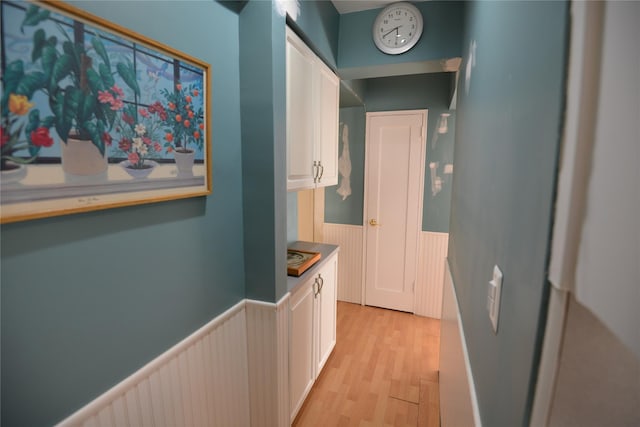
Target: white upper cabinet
(312, 118)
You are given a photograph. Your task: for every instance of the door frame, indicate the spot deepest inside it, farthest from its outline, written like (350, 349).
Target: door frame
(365, 216)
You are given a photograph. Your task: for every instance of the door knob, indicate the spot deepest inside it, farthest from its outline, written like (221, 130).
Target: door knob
(373, 222)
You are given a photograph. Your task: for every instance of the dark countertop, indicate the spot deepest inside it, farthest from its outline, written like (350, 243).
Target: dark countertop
(325, 252)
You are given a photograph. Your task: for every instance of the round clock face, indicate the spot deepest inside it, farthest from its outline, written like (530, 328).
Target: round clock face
(397, 28)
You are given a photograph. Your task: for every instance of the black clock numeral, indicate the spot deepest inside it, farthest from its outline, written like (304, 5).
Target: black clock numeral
(413, 27)
(386, 21)
(410, 34)
(410, 18)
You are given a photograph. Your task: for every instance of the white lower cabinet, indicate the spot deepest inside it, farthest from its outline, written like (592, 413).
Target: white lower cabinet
(301, 369)
(312, 331)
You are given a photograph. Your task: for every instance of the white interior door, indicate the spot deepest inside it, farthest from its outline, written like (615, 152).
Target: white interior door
(395, 156)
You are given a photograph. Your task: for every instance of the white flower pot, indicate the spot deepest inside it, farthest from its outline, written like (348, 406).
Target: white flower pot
(82, 158)
(184, 162)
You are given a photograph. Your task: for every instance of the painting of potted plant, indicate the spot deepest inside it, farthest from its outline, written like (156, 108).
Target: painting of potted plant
(138, 141)
(80, 85)
(95, 115)
(183, 125)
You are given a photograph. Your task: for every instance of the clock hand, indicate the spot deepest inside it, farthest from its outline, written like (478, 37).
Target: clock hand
(391, 31)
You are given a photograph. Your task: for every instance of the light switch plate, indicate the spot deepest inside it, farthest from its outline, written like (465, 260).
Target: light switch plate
(493, 298)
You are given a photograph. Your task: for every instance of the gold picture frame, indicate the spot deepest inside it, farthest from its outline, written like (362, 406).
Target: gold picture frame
(96, 116)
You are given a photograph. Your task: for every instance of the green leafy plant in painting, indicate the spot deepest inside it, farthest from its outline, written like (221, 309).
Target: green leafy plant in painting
(82, 91)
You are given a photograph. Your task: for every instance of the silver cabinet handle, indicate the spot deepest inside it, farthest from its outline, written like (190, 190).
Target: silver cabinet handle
(316, 288)
(316, 171)
(321, 170)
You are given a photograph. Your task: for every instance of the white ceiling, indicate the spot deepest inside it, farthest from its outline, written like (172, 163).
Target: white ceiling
(348, 6)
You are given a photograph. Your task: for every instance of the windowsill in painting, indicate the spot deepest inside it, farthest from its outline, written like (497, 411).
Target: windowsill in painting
(50, 181)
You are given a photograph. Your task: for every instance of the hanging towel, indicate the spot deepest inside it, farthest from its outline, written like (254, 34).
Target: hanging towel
(344, 165)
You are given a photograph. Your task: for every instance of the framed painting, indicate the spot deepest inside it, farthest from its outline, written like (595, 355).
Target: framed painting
(95, 116)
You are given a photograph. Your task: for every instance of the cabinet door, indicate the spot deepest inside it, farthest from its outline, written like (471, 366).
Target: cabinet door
(326, 309)
(300, 120)
(301, 346)
(328, 117)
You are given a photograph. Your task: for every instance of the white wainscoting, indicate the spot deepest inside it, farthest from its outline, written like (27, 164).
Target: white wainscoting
(349, 238)
(268, 359)
(431, 268)
(201, 381)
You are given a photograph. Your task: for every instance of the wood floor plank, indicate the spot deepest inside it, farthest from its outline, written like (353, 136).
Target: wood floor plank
(429, 407)
(382, 372)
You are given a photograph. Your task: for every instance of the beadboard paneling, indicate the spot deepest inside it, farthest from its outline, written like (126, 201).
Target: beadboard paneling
(202, 380)
(268, 346)
(349, 238)
(431, 269)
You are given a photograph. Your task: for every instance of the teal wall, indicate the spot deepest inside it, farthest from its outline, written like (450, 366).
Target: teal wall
(437, 204)
(318, 24)
(87, 299)
(441, 38)
(420, 91)
(349, 211)
(263, 103)
(507, 141)
(411, 92)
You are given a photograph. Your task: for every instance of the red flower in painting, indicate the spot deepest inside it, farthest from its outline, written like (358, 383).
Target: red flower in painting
(124, 144)
(41, 138)
(106, 138)
(128, 119)
(133, 158)
(117, 91)
(105, 97)
(4, 136)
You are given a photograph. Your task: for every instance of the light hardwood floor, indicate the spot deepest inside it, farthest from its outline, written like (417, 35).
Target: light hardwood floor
(382, 372)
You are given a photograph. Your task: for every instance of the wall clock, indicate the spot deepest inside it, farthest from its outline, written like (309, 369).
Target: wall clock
(397, 28)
